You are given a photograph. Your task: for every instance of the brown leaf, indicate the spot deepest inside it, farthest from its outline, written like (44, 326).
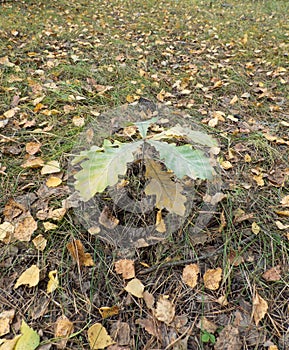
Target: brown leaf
(6, 232)
(76, 250)
(107, 219)
(260, 307)
(120, 332)
(273, 274)
(32, 147)
(190, 275)
(206, 325)
(33, 163)
(168, 193)
(212, 278)
(63, 329)
(150, 326)
(125, 267)
(149, 300)
(229, 339)
(25, 227)
(285, 201)
(165, 310)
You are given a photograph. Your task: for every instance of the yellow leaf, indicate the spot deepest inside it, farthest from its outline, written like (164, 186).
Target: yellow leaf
(285, 201)
(50, 167)
(9, 344)
(53, 181)
(247, 158)
(29, 276)
(168, 193)
(78, 121)
(160, 223)
(259, 179)
(48, 226)
(226, 165)
(279, 212)
(135, 287)
(29, 339)
(281, 226)
(63, 329)
(212, 278)
(161, 95)
(125, 267)
(33, 163)
(190, 275)
(165, 310)
(260, 308)
(6, 231)
(6, 318)
(106, 311)
(234, 100)
(53, 282)
(255, 228)
(98, 337)
(39, 242)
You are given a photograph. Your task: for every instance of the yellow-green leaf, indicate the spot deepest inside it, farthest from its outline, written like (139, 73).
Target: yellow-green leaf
(29, 339)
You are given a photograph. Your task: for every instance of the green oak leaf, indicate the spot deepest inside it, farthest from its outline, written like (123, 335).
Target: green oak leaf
(184, 161)
(102, 169)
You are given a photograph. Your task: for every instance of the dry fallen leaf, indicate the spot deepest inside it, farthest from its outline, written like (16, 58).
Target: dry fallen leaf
(273, 274)
(206, 325)
(125, 267)
(78, 121)
(285, 201)
(53, 181)
(107, 219)
(6, 318)
(165, 310)
(63, 329)
(50, 167)
(160, 223)
(39, 242)
(229, 339)
(255, 228)
(25, 227)
(149, 299)
(53, 282)
(29, 276)
(150, 326)
(57, 214)
(135, 287)
(48, 226)
(98, 337)
(32, 147)
(107, 311)
(281, 226)
(190, 275)
(260, 307)
(33, 163)
(226, 165)
(212, 278)
(76, 250)
(6, 232)
(259, 180)
(120, 332)
(9, 344)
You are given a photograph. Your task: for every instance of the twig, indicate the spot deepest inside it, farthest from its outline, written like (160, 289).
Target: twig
(189, 261)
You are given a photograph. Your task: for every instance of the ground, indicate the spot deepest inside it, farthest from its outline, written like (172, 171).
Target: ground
(225, 64)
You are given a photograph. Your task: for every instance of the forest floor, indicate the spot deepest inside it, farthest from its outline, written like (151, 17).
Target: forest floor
(225, 65)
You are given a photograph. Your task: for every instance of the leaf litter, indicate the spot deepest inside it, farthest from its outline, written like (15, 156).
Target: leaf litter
(170, 64)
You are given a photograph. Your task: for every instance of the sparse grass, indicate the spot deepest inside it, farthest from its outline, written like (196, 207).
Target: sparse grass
(241, 43)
